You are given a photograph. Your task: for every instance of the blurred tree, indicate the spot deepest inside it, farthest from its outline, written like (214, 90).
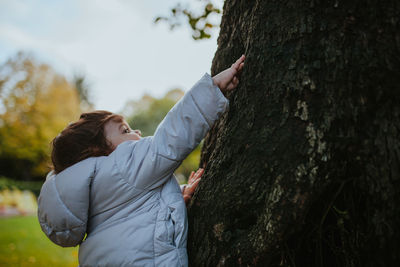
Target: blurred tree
(201, 23)
(146, 113)
(35, 104)
(83, 88)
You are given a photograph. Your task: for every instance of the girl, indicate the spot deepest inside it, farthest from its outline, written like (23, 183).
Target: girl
(118, 188)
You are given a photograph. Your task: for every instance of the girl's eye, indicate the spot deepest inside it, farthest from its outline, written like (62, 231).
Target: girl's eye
(127, 130)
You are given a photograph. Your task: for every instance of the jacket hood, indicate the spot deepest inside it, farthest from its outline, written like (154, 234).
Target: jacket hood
(63, 203)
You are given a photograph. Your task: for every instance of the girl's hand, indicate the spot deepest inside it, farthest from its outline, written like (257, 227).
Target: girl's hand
(193, 181)
(228, 79)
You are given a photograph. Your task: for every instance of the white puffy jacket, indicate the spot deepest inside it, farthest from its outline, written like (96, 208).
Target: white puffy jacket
(128, 203)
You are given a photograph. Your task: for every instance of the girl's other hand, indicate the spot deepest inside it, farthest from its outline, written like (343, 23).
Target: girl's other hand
(229, 78)
(193, 181)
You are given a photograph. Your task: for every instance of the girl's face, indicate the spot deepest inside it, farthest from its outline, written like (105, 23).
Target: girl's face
(118, 132)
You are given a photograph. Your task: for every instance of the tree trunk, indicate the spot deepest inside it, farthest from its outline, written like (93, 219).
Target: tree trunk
(303, 169)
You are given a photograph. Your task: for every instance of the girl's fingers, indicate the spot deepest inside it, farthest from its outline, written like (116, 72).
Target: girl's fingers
(233, 84)
(241, 66)
(191, 177)
(239, 70)
(194, 185)
(199, 172)
(230, 87)
(239, 61)
(195, 175)
(235, 66)
(233, 69)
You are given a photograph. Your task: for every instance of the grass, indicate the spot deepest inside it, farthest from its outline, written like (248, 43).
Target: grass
(22, 243)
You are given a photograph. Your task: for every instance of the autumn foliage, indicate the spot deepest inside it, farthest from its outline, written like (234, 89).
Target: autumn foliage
(35, 105)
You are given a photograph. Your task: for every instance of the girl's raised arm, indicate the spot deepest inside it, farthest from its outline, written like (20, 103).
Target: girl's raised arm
(185, 125)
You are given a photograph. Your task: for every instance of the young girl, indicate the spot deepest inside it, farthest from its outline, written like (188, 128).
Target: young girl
(118, 188)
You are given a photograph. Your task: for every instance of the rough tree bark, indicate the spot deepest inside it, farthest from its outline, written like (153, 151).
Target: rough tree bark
(303, 169)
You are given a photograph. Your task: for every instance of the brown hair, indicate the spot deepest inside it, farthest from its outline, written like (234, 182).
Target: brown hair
(82, 139)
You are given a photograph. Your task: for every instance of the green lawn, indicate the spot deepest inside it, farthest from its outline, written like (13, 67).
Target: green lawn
(22, 243)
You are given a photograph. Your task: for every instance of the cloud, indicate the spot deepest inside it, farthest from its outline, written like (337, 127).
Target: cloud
(115, 43)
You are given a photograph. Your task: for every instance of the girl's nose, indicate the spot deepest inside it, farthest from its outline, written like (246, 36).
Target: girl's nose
(138, 132)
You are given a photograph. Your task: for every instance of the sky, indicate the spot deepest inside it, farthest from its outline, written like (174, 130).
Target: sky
(114, 43)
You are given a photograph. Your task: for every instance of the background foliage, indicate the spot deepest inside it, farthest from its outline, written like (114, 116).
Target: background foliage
(201, 23)
(7, 183)
(148, 112)
(35, 104)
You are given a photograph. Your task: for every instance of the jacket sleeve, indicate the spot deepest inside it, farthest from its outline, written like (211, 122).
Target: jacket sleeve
(149, 161)
(63, 204)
